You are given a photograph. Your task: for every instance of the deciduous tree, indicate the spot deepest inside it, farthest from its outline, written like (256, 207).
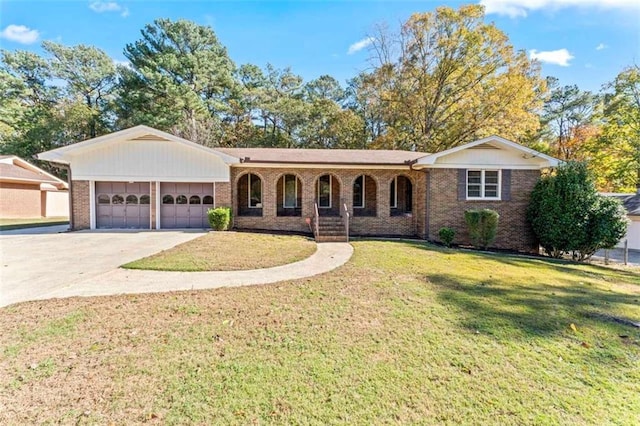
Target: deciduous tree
(448, 78)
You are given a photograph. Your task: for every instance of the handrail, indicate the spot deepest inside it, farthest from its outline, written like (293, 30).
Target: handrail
(317, 219)
(345, 219)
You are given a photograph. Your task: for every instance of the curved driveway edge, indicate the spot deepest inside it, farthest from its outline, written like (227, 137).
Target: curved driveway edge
(327, 257)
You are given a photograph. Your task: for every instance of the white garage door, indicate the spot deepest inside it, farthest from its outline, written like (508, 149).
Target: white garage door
(185, 205)
(123, 205)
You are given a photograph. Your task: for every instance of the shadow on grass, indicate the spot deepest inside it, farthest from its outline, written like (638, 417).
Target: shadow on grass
(559, 265)
(506, 309)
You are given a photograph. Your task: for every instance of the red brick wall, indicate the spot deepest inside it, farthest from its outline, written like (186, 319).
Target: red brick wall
(381, 224)
(223, 194)
(444, 209)
(80, 205)
(18, 200)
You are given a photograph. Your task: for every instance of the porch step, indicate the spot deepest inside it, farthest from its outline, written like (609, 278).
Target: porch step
(331, 239)
(331, 229)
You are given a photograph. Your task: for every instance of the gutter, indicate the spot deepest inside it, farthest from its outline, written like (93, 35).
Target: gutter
(247, 160)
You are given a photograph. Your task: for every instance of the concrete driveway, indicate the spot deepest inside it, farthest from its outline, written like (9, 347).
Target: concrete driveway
(45, 264)
(39, 262)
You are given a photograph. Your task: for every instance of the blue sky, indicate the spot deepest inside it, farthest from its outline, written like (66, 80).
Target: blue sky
(583, 42)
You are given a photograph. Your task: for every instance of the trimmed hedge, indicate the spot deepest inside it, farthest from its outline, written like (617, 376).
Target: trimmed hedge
(483, 226)
(447, 235)
(219, 218)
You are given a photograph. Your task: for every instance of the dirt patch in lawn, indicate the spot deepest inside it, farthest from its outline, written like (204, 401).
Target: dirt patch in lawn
(229, 251)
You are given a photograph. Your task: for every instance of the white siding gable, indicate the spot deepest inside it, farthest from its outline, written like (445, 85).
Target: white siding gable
(490, 157)
(145, 159)
(490, 153)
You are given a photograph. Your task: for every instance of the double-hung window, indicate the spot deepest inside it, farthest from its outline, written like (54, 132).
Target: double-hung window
(483, 184)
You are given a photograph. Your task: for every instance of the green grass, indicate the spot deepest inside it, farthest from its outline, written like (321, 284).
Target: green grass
(8, 224)
(403, 333)
(229, 251)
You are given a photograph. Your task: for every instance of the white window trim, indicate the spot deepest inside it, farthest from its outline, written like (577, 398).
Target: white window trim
(498, 196)
(284, 192)
(364, 185)
(330, 193)
(394, 182)
(258, 205)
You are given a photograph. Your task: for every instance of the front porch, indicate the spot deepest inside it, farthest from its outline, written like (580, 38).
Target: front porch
(383, 202)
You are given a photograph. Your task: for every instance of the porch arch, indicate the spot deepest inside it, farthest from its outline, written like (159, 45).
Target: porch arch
(327, 194)
(401, 196)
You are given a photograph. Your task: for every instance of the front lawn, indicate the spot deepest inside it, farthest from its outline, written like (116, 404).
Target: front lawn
(403, 333)
(7, 224)
(229, 251)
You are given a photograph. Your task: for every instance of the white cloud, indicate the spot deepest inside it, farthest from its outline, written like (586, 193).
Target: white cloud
(556, 57)
(601, 46)
(109, 6)
(20, 34)
(124, 63)
(359, 45)
(520, 8)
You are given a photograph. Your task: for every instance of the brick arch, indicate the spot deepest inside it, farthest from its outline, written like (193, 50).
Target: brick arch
(247, 172)
(280, 209)
(401, 203)
(369, 207)
(335, 197)
(242, 201)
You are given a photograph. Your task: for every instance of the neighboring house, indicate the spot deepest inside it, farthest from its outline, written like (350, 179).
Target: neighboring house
(27, 191)
(631, 203)
(145, 178)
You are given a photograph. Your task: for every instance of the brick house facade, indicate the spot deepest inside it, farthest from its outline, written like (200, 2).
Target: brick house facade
(385, 193)
(27, 191)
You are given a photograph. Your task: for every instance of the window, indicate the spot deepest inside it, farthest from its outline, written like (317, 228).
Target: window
(255, 191)
(290, 190)
(393, 193)
(207, 199)
(167, 199)
(358, 192)
(194, 199)
(117, 199)
(145, 199)
(324, 191)
(132, 199)
(103, 199)
(181, 199)
(483, 184)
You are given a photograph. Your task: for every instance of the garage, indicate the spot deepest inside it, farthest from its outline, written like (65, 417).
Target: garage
(122, 205)
(185, 205)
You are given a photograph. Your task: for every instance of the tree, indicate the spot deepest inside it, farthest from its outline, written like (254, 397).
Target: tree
(448, 78)
(27, 104)
(567, 117)
(568, 215)
(615, 153)
(90, 76)
(180, 80)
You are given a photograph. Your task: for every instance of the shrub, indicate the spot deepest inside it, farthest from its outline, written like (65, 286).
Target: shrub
(447, 235)
(483, 226)
(219, 218)
(568, 215)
